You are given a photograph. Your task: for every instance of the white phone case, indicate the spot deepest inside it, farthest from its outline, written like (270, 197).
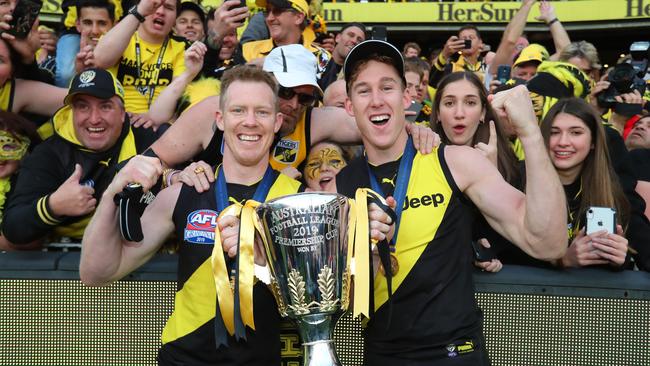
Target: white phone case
(601, 218)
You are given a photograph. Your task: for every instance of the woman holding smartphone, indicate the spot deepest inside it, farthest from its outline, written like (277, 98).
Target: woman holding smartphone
(576, 142)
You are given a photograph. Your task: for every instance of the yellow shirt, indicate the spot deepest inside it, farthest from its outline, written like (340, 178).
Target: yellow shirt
(156, 71)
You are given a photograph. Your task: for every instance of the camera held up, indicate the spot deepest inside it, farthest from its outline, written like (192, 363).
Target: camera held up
(628, 76)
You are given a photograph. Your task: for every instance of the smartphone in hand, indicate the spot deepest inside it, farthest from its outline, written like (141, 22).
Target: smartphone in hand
(503, 73)
(481, 253)
(468, 44)
(415, 109)
(23, 17)
(601, 218)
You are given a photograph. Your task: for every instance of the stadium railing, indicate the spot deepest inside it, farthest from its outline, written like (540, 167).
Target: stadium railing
(531, 316)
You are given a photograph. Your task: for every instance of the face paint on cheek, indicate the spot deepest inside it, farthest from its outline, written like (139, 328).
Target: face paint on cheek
(333, 158)
(313, 169)
(326, 156)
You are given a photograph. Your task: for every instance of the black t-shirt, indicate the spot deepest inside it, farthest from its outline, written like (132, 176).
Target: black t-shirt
(616, 147)
(636, 167)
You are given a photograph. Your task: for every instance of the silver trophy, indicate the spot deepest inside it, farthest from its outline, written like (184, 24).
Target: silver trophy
(307, 251)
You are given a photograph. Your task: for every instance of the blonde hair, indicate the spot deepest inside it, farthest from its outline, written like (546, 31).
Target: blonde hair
(584, 50)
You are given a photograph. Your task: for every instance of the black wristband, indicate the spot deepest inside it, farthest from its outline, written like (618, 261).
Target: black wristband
(552, 21)
(134, 11)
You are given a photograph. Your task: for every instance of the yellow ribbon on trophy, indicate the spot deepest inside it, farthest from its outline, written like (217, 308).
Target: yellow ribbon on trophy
(247, 261)
(352, 223)
(226, 296)
(361, 256)
(362, 270)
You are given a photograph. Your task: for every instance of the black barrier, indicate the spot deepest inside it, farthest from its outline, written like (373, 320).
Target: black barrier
(532, 316)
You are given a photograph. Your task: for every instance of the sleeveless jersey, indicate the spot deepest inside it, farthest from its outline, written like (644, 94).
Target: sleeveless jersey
(292, 150)
(137, 85)
(188, 336)
(433, 292)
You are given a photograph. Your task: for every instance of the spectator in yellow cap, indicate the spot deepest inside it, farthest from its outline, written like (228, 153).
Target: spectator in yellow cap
(286, 20)
(525, 66)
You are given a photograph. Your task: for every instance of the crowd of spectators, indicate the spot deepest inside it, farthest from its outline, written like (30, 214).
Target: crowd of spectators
(161, 62)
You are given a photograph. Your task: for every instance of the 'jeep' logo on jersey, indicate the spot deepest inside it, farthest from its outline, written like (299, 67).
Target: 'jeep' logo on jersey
(427, 200)
(286, 151)
(200, 227)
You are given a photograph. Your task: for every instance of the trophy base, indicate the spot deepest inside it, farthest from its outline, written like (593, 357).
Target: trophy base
(320, 353)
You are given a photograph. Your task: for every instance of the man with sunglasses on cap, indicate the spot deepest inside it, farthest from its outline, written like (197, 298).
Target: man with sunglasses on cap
(287, 21)
(61, 181)
(193, 135)
(428, 315)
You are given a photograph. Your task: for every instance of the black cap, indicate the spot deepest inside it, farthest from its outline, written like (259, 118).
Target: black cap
(354, 24)
(95, 82)
(369, 48)
(189, 5)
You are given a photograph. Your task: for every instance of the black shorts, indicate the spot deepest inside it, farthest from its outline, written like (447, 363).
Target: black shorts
(454, 354)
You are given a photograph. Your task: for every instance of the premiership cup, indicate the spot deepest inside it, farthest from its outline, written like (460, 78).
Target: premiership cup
(306, 241)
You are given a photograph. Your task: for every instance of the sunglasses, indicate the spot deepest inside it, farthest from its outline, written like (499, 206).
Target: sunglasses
(307, 100)
(276, 11)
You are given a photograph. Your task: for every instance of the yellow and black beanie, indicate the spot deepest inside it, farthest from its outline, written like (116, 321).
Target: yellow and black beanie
(554, 81)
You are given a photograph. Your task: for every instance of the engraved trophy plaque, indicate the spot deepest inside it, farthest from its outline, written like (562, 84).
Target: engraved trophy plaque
(306, 242)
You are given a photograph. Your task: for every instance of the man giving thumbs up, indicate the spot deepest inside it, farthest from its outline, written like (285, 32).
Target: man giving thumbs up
(60, 182)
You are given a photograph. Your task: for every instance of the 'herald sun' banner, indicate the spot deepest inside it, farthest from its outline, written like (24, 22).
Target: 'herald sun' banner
(482, 12)
(457, 12)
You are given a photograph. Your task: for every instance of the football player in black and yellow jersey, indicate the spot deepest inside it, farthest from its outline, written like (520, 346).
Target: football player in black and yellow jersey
(249, 117)
(432, 317)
